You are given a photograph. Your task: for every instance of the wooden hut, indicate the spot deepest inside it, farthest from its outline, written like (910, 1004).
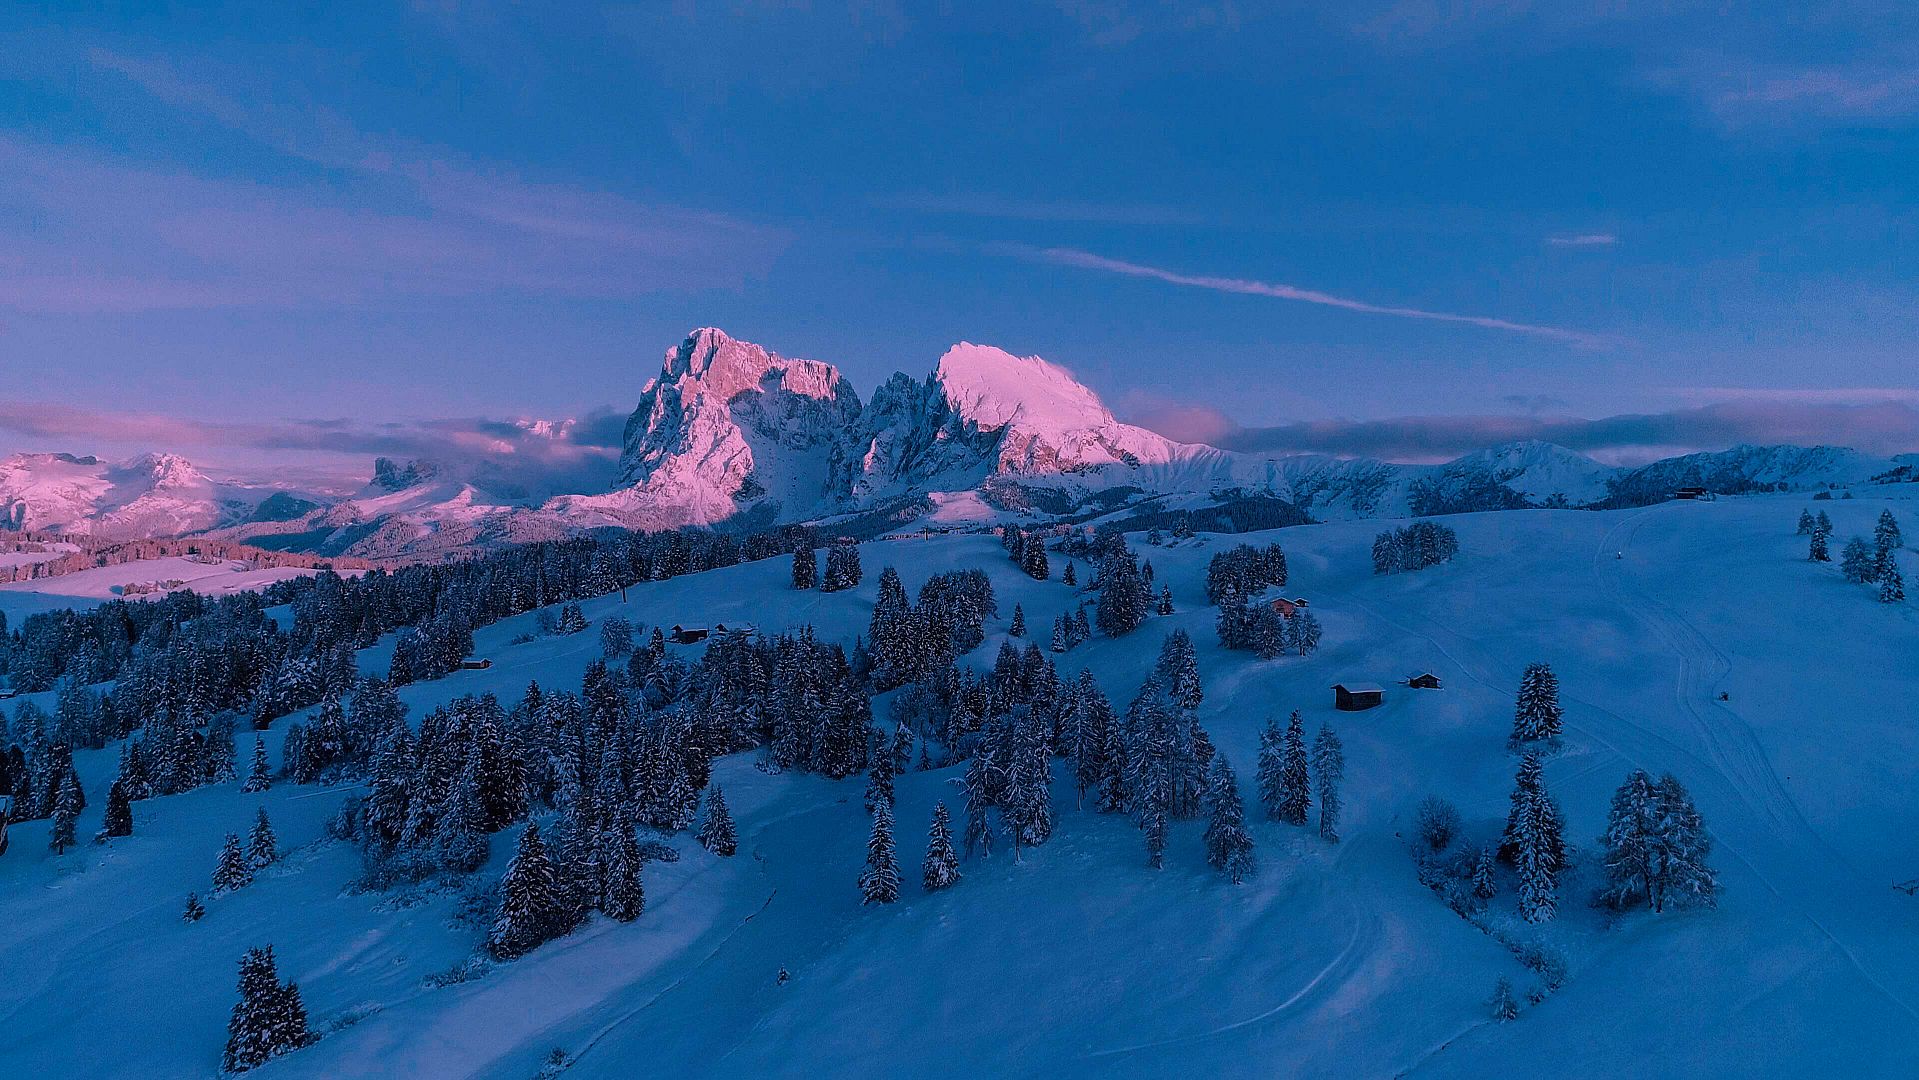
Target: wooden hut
(1356, 697)
(1425, 680)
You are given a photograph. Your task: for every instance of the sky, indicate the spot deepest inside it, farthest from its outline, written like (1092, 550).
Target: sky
(295, 236)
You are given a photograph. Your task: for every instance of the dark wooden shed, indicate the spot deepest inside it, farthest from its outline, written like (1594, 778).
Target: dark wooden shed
(1357, 696)
(686, 635)
(1425, 680)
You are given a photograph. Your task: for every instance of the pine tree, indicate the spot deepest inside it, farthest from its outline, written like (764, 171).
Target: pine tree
(1892, 587)
(263, 848)
(1885, 533)
(1534, 843)
(269, 1019)
(941, 868)
(880, 882)
(1060, 633)
(1816, 548)
(119, 814)
(1685, 844)
(66, 814)
(1272, 767)
(1329, 768)
(195, 910)
(1228, 847)
(716, 834)
(1033, 559)
(806, 566)
(624, 895)
(1805, 523)
(1295, 784)
(1633, 861)
(1485, 887)
(1166, 600)
(232, 871)
(1069, 576)
(879, 782)
(1857, 562)
(530, 903)
(1503, 1005)
(1018, 629)
(260, 777)
(1537, 715)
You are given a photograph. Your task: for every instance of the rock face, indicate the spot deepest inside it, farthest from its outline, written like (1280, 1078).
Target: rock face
(151, 495)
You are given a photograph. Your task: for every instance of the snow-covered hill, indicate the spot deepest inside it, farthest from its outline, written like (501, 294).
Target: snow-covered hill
(155, 494)
(1333, 961)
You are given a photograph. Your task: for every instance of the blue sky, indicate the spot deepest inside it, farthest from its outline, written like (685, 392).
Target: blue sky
(1282, 225)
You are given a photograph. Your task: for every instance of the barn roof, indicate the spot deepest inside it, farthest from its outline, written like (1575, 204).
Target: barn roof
(1360, 688)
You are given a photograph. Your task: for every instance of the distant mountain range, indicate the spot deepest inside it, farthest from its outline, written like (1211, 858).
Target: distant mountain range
(731, 435)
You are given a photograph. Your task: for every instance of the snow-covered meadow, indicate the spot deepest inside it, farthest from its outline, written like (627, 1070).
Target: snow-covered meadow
(1077, 959)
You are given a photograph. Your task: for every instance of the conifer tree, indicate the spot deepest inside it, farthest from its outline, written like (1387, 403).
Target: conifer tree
(1857, 562)
(1272, 767)
(530, 904)
(1503, 1005)
(879, 782)
(1885, 533)
(1534, 843)
(1018, 629)
(624, 895)
(1688, 879)
(119, 814)
(1033, 559)
(1537, 714)
(1027, 803)
(1295, 784)
(1228, 847)
(1805, 523)
(263, 848)
(1816, 548)
(716, 834)
(66, 814)
(232, 871)
(880, 882)
(1329, 768)
(269, 1019)
(1892, 587)
(1485, 887)
(260, 776)
(195, 910)
(941, 868)
(806, 566)
(1082, 629)
(1166, 600)
(1059, 634)
(1631, 841)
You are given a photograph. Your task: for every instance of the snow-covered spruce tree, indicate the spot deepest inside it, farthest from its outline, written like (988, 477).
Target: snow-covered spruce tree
(981, 784)
(1027, 803)
(1018, 627)
(1534, 844)
(263, 848)
(1123, 596)
(119, 814)
(1885, 533)
(1816, 549)
(1688, 880)
(941, 868)
(260, 776)
(623, 896)
(1272, 768)
(530, 905)
(1892, 587)
(1295, 784)
(1070, 575)
(268, 1020)
(1166, 600)
(1329, 768)
(1228, 847)
(879, 782)
(1503, 1005)
(232, 871)
(1305, 633)
(716, 833)
(1537, 714)
(66, 814)
(1485, 886)
(195, 910)
(880, 881)
(1061, 631)
(842, 567)
(1632, 859)
(1805, 523)
(572, 621)
(806, 566)
(1033, 559)
(1856, 561)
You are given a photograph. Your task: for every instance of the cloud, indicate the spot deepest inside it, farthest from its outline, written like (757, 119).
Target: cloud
(1088, 261)
(393, 220)
(528, 455)
(1583, 240)
(1885, 427)
(1181, 421)
(1064, 210)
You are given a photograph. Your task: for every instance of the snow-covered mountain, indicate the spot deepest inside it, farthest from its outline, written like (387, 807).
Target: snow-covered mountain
(154, 494)
(731, 434)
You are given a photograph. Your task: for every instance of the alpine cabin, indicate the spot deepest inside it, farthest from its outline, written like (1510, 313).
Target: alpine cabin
(1357, 697)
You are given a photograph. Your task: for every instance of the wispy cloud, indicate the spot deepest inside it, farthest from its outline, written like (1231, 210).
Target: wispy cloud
(1069, 210)
(398, 220)
(1580, 240)
(1088, 261)
(1886, 427)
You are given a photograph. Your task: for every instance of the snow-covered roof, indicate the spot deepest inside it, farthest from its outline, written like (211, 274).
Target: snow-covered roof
(1360, 688)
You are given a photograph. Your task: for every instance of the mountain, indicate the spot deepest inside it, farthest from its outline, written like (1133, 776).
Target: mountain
(151, 495)
(730, 434)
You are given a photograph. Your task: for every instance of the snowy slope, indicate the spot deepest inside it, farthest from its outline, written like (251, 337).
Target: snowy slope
(84, 588)
(1078, 960)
